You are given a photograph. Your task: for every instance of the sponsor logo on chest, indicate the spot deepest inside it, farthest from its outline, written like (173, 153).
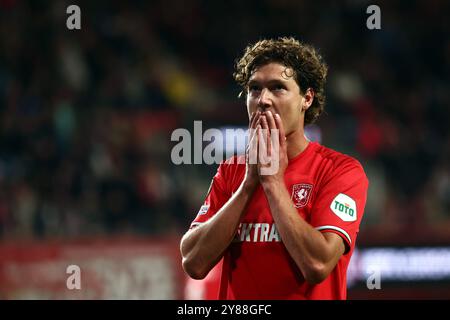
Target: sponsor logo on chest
(257, 232)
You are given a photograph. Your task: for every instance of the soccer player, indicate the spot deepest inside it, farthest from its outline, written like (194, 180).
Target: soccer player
(288, 234)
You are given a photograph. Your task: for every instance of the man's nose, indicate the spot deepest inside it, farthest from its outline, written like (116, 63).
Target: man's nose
(264, 99)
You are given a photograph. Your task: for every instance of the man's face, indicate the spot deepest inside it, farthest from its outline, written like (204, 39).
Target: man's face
(272, 87)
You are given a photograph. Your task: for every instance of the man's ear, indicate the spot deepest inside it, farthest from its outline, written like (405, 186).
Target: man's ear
(307, 99)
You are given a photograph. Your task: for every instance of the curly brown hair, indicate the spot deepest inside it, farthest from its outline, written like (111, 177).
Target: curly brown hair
(310, 71)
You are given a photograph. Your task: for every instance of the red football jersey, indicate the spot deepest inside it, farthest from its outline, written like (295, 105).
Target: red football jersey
(329, 191)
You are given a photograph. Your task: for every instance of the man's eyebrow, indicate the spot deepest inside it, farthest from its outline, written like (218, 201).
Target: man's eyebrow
(269, 82)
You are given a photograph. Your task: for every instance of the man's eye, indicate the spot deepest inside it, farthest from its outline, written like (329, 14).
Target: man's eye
(279, 87)
(254, 88)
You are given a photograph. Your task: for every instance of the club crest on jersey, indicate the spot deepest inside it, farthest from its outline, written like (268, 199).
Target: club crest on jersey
(301, 194)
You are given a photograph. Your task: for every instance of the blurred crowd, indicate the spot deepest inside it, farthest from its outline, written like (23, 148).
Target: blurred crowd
(86, 115)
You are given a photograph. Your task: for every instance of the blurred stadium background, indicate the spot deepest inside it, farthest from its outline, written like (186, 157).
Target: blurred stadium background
(86, 118)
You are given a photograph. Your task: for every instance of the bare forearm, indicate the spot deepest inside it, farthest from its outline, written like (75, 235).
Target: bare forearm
(202, 247)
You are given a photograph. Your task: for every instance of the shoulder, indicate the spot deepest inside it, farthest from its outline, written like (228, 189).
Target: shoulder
(232, 165)
(230, 173)
(340, 163)
(234, 160)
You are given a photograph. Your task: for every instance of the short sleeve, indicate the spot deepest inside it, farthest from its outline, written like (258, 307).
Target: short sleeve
(340, 202)
(218, 194)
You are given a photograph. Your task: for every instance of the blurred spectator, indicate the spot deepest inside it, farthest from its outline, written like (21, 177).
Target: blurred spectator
(86, 116)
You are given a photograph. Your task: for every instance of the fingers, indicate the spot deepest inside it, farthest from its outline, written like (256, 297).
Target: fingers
(252, 125)
(280, 127)
(252, 149)
(254, 119)
(274, 131)
(263, 157)
(254, 146)
(266, 133)
(251, 120)
(276, 135)
(271, 121)
(263, 128)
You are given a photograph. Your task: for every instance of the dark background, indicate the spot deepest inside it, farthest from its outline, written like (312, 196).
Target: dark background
(86, 115)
